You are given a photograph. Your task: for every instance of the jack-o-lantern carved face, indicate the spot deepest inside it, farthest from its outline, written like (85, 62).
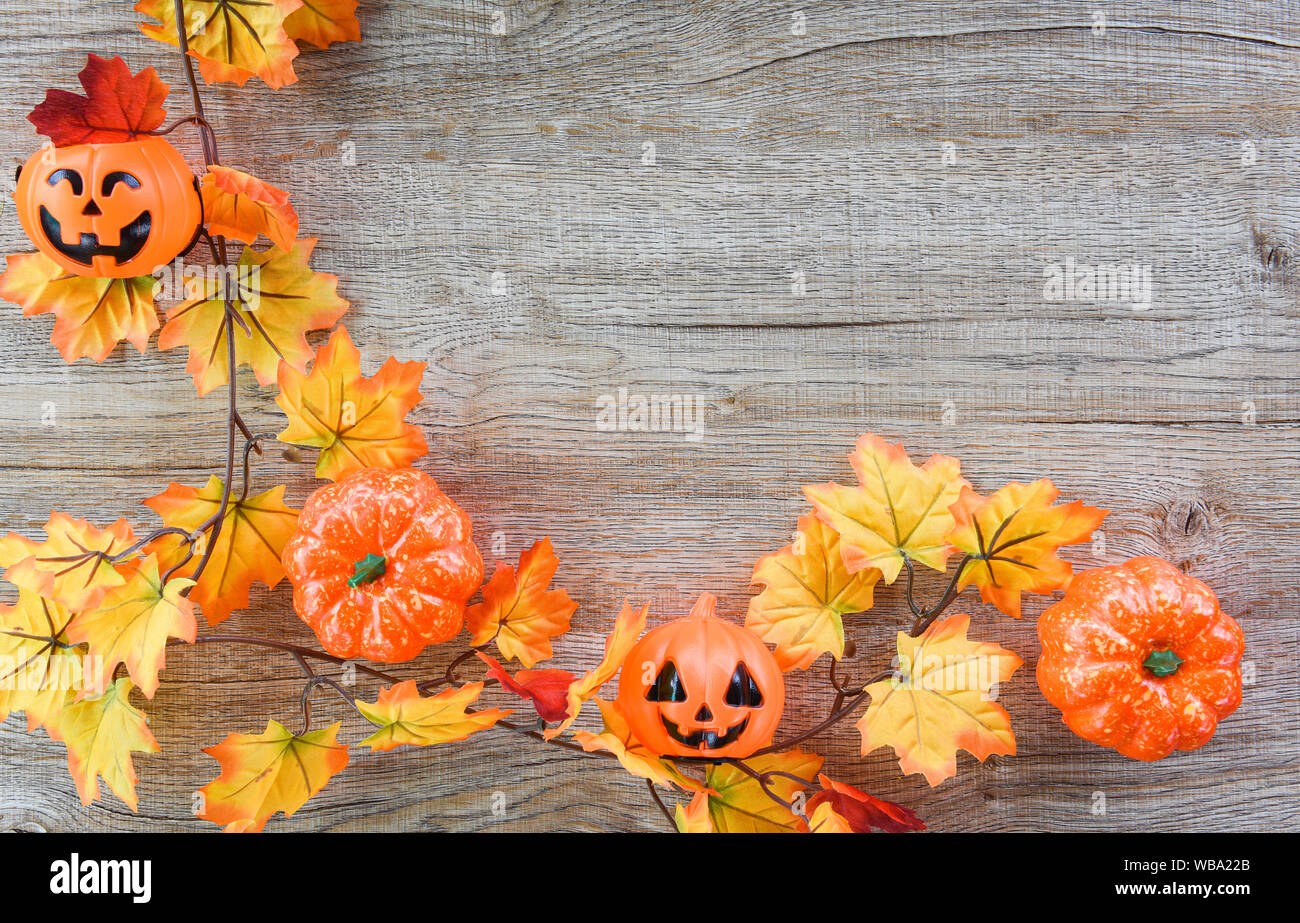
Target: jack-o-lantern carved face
(701, 686)
(110, 210)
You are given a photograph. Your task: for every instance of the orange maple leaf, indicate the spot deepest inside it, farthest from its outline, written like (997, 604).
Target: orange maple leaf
(253, 534)
(40, 668)
(628, 627)
(519, 611)
(694, 817)
(268, 772)
(356, 422)
(231, 41)
(322, 22)
(101, 733)
(896, 512)
(404, 717)
(634, 756)
(1011, 539)
(72, 565)
(239, 205)
(807, 591)
(132, 623)
(278, 298)
(91, 316)
(548, 690)
(938, 701)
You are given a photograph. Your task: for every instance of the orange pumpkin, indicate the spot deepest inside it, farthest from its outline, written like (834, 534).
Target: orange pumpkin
(112, 210)
(382, 563)
(1139, 656)
(701, 686)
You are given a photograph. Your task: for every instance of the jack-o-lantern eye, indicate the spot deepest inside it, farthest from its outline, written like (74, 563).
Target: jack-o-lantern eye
(667, 686)
(118, 176)
(72, 176)
(742, 690)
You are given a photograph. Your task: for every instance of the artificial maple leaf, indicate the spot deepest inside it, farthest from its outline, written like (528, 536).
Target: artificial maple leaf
(101, 733)
(279, 297)
(269, 772)
(356, 422)
(118, 106)
(91, 315)
(518, 610)
(738, 803)
(253, 534)
(859, 811)
(403, 716)
(548, 690)
(72, 565)
(937, 701)
(635, 757)
(40, 668)
(132, 623)
(231, 39)
(239, 205)
(1011, 539)
(694, 817)
(322, 22)
(897, 510)
(807, 591)
(823, 819)
(628, 627)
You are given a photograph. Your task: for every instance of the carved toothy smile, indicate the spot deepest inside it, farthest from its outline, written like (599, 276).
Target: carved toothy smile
(132, 240)
(705, 740)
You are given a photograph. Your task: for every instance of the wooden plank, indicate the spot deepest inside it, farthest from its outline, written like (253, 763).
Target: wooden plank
(801, 258)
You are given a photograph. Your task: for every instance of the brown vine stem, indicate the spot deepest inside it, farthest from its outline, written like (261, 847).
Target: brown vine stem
(924, 618)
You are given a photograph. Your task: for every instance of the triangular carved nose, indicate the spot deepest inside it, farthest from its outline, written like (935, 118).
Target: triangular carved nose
(91, 209)
(703, 714)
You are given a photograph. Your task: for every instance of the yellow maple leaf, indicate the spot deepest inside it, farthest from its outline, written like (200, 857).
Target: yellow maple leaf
(518, 611)
(71, 566)
(269, 772)
(694, 817)
(1011, 538)
(323, 22)
(101, 733)
(896, 510)
(404, 717)
(738, 803)
(628, 627)
(356, 422)
(253, 534)
(938, 701)
(132, 623)
(239, 205)
(277, 297)
(807, 591)
(232, 40)
(617, 738)
(825, 820)
(91, 315)
(41, 671)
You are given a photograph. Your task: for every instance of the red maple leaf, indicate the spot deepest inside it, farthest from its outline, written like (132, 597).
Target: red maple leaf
(548, 689)
(118, 105)
(863, 811)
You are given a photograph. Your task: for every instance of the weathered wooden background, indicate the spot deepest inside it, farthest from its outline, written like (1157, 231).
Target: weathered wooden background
(490, 205)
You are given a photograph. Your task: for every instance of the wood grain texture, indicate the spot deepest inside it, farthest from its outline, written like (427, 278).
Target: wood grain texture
(437, 154)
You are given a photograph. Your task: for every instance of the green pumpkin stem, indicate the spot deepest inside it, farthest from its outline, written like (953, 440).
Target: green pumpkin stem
(368, 569)
(1163, 663)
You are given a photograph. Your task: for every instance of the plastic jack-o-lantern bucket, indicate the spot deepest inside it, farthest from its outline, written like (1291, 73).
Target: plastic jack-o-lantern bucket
(113, 210)
(700, 686)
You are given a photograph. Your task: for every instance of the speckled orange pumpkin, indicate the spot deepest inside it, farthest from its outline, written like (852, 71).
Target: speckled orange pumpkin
(382, 564)
(1140, 657)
